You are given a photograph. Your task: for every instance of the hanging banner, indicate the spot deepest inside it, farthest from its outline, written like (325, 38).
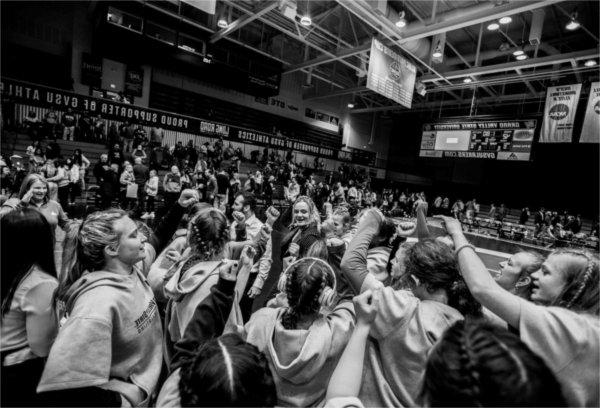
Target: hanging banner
(590, 132)
(559, 114)
(38, 95)
(134, 80)
(91, 70)
(390, 74)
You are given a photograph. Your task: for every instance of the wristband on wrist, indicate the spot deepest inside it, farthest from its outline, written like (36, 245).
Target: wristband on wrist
(463, 246)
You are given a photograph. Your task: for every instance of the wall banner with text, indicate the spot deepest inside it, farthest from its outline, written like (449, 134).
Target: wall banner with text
(590, 133)
(559, 114)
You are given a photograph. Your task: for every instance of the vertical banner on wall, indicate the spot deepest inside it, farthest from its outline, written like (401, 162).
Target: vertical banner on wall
(390, 74)
(91, 70)
(134, 80)
(590, 133)
(559, 114)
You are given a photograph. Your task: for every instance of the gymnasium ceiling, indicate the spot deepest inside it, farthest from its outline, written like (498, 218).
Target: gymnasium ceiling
(332, 53)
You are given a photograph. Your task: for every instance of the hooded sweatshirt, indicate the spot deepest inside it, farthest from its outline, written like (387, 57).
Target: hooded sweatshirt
(186, 290)
(301, 361)
(110, 339)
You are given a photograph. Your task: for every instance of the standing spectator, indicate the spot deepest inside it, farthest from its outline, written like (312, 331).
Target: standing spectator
(62, 180)
(140, 137)
(32, 125)
(83, 164)
(524, 217)
(113, 134)
(151, 189)
(140, 174)
(501, 213)
(211, 186)
(127, 179)
(179, 153)
(74, 181)
(105, 181)
(437, 206)
(446, 206)
(128, 136)
(50, 122)
(156, 136)
(86, 127)
(172, 186)
(539, 221)
(222, 189)
(139, 152)
(99, 125)
(68, 122)
(52, 150)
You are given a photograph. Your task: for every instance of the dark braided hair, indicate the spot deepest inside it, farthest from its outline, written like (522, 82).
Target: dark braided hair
(475, 364)
(305, 282)
(207, 236)
(227, 372)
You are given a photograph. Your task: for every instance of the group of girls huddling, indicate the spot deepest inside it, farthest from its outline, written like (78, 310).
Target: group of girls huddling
(361, 313)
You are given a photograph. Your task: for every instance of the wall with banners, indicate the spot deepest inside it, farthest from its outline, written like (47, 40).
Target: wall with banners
(287, 103)
(37, 95)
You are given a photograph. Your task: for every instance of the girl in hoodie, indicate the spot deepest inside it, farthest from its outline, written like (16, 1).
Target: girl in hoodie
(413, 312)
(29, 324)
(208, 370)
(560, 323)
(303, 342)
(108, 351)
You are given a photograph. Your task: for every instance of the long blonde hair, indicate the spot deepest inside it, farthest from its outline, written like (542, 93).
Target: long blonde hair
(83, 247)
(313, 213)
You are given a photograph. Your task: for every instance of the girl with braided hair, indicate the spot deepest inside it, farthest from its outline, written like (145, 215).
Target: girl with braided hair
(214, 369)
(108, 350)
(426, 296)
(189, 280)
(303, 341)
(477, 365)
(560, 323)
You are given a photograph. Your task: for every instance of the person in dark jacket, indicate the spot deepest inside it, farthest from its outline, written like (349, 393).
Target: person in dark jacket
(304, 229)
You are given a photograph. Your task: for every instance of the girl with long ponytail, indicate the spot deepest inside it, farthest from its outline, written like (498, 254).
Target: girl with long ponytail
(108, 350)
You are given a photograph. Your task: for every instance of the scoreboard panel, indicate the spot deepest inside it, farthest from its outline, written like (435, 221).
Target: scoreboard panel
(491, 140)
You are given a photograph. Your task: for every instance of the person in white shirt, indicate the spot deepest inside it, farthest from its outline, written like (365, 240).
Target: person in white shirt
(245, 203)
(151, 189)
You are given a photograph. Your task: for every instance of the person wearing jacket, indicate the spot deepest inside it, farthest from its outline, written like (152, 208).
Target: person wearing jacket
(304, 341)
(108, 351)
(304, 229)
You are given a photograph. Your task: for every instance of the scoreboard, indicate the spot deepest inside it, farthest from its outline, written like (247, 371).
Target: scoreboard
(491, 140)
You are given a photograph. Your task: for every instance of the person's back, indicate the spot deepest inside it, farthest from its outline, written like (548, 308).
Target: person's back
(303, 342)
(140, 173)
(401, 336)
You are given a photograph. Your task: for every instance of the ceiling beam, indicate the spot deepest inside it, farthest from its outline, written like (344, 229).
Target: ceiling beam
(450, 21)
(341, 92)
(513, 65)
(291, 34)
(242, 21)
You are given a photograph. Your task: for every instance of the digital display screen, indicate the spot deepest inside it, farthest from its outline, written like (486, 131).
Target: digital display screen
(491, 140)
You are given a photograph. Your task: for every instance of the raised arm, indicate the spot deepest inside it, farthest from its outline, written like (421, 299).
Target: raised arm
(209, 318)
(422, 230)
(354, 262)
(481, 284)
(347, 377)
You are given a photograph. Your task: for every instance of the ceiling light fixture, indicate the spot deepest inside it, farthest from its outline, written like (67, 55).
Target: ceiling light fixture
(493, 26)
(518, 52)
(401, 23)
(350, 105)
(505, 20)
(305, 21)
(522, 57)
(573, 24)
(222, 23)
(467, 80)
(590, 63)
(437, 53)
